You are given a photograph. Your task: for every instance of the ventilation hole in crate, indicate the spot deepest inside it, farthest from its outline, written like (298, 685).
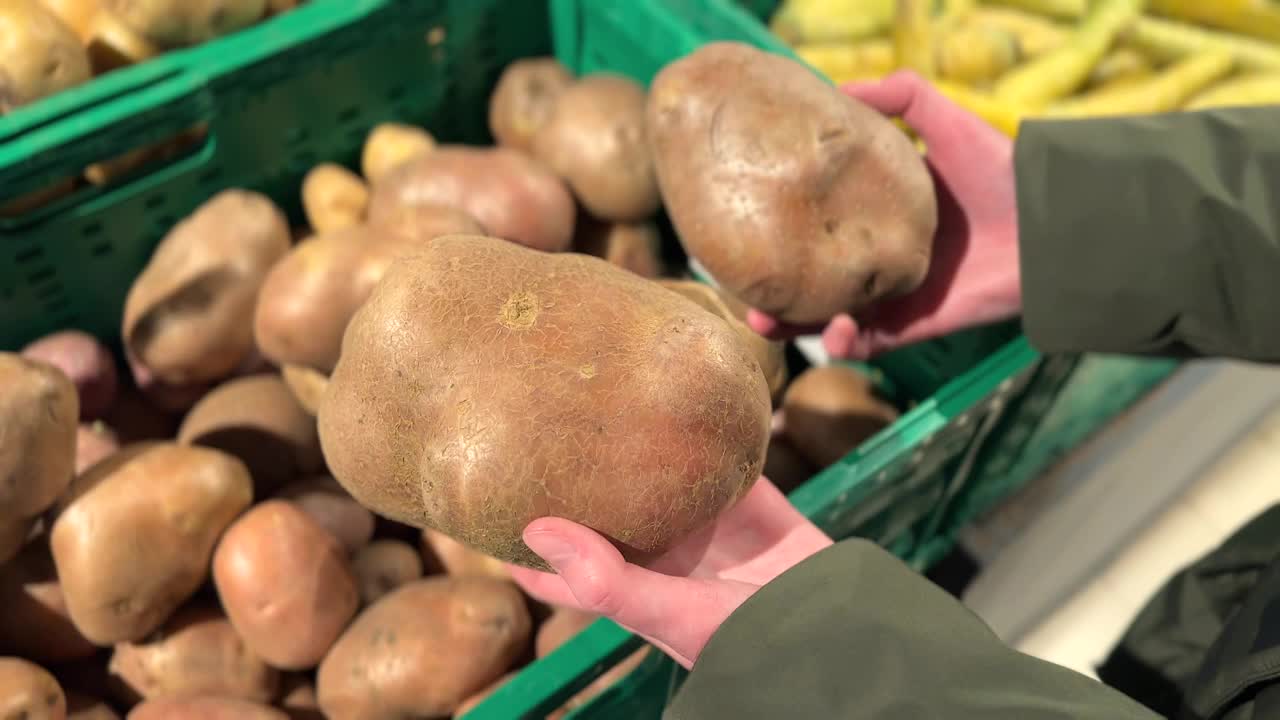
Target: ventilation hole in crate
(91, 229)
(155, 201)
(40, 275)
(101, 249)
(31, 253)
(349, 115)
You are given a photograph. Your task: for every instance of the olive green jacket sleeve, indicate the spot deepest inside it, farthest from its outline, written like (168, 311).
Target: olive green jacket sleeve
(1153, 235)
(853, 633)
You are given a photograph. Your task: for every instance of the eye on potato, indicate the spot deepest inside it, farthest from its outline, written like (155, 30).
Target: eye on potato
(134, 535)
(828, 411)
(285, 583)
(384, 565)
(35, 623)
(39, 412)
(484, 384)
(524, 100)
(180, 23)
(39, 54)
(86, 362)
(595, 140)
(424, 648)
(29, 692)
(325, 500)
(391, 144)
(510, 194)
(188, 318)
(632, 246)
(197, 652)
(334, 198)
(258, 420)
(799, 200)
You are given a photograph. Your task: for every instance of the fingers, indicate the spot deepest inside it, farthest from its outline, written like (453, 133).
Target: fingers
(774, 329)
(841, 340)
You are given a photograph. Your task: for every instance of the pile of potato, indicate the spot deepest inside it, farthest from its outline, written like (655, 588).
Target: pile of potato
(293, 493)
(1011, 59)
(47, 46)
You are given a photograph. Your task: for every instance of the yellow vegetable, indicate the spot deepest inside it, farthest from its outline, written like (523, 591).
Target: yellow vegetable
(974, 54)
(844, 62)
(1061, 72)
(1120, 66)
(1252, 89)
(957, 10)
(800, 22)
(1036, 34)
(913, 37)
(1166, 91)
(1258, 18)
(1003, 116)
(1063, 9)
(1167, 40)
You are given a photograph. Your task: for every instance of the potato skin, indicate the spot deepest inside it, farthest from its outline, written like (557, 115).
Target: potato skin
(828, 411)
(799, 200)
(427, 419)
(196, 653)
(179, 23)
(258, 420)
(595, 140)
(306, 384)
(189, 316)
(425, 222)
(134, 535)
(325, 500)
(29, 692)
(39, 410)
(334, 198)
(506, 191)
(39, 55)
(424, 648)
(285, 583)
(631, 246)
(35, 623)
(204, 707)
(525, 98)
(457, 559)
(384, 565)
(391, 144)
(86, 362)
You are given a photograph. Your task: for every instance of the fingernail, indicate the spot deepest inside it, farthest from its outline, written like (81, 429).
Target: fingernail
(555, 550)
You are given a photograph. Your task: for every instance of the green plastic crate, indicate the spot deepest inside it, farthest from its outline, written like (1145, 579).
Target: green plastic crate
(308, 85)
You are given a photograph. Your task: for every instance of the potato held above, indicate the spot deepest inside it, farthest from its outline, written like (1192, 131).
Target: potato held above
(484, 385)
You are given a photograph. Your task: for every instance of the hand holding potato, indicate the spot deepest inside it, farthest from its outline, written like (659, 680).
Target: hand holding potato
(974, 276)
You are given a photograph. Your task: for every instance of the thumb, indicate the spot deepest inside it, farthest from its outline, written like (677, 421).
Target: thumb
(678, 613)
(942, 124)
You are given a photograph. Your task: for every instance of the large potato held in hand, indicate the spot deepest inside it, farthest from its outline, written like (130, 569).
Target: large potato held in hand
(39, 413)
(285, 583)
(595, 140)
(484, 385)
(423, 649)
(798, 199)
(510, 194)
(525, 98)
(135, 533)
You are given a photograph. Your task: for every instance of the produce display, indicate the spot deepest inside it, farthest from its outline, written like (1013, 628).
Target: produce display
(293, 488)
(1006, 60)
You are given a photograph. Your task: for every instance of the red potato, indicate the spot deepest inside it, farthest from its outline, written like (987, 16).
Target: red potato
(513, 196)
(197, 652)
(204, 707)
(94, 442)
(525, 98)
(86, 362)
(134, 535)
(325, 500)
(35, 622)
(421, 650)
(29, 692)
(384, 565)
(285, 583)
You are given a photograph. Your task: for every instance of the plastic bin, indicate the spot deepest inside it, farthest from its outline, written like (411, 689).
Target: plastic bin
(307, 86)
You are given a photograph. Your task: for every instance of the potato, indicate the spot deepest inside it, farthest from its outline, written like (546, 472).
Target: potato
(384, 565)
(39, 54)
(306, 384)
(258, 420)
(785, 467)
(204, 707)
(189, 316)
(772, 356)
(29, 692)
(561, 627)
(454, 558)
(799, 200)
(179, 23)
(94, 442)
(830, 410)
(13, 535)
(427, 222)
(333, 508)
(79, 15)
(472, 702)
(197, 652)
(309, 296)
(115, 45)
(524, 99)
(134, 419)
(298, 698)
(484, 385)
(595, 140)
(285, 583)
(631, 246)
(134, 535)
(424, 648)
(38, 417)
(87, 707)
(391, 144)
(334, 198)
(86, 362)
(167, 397)
(509, 193)
(35, 623)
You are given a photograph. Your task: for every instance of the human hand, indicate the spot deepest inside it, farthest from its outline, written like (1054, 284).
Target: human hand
(682, 598)
(973, 278)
